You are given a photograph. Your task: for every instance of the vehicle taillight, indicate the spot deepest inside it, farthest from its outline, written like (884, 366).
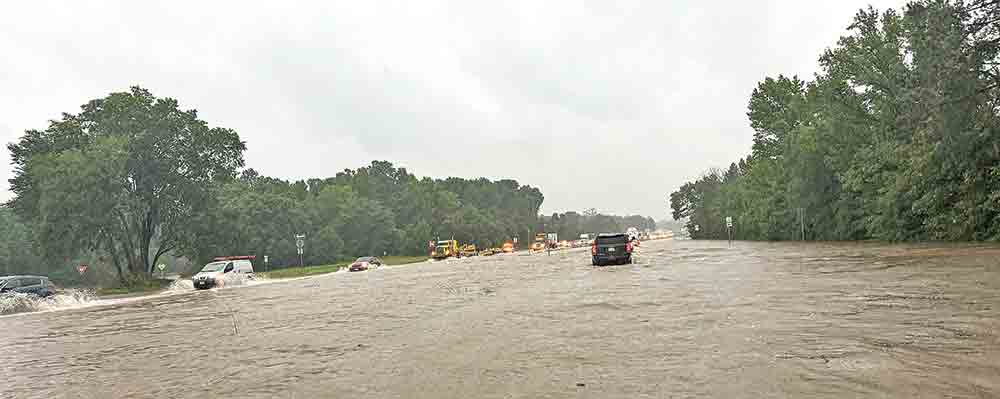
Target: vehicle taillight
(628, 247)
(593, 249)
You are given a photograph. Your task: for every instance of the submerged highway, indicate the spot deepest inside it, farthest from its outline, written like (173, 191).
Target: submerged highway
(689, 319)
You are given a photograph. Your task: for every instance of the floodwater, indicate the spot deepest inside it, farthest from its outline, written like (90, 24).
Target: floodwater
(690, 319)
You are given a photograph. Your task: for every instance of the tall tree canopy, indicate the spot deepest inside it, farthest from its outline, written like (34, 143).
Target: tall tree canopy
(366, 211)
(897, 138)
(123, 176)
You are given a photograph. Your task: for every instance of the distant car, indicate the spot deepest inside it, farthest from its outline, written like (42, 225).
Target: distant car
(215, 273)
(611, 248)
(32, 285)
(365, 263)
(508, 247)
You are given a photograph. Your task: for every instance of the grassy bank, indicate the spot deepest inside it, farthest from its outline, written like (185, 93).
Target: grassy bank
(155, 285)
(323, 269)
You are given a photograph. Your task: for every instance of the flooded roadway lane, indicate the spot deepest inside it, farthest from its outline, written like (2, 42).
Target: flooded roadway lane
(691, 319)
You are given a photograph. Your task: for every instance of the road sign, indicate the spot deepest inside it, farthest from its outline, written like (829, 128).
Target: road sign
(161, 266)
(82, 269)
(729, 221)
(300, 241)
(265, 259)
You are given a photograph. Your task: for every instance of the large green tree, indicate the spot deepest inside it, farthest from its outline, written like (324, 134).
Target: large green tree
(897, 138)
(124, 176)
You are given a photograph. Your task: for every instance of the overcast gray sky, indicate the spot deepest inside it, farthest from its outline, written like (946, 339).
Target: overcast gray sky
(604, 104)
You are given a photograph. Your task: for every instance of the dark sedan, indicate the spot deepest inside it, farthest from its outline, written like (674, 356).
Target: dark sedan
(365, 263)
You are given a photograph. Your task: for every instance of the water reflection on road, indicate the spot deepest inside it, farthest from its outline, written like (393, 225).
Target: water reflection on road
(690, 319)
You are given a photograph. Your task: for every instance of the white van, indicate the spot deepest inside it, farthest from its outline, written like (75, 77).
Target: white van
(225, 268)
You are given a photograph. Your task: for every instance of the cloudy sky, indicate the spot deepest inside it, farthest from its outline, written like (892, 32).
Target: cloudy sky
(603, 104)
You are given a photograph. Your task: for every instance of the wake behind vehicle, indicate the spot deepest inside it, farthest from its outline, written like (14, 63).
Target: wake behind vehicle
(365, 263)
(611, 248)
(32, 285)
(215, 274)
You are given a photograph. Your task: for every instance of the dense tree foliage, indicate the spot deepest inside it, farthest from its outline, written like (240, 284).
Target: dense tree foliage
(897, 138)
(367, 211)
(132, 179)
(122, 177)
(570, 225)
(17, 252)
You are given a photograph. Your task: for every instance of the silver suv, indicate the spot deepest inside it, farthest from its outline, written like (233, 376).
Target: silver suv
(223, 269)
(32, 285)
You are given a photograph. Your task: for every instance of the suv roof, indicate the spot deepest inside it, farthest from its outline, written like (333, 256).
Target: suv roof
(3, 278)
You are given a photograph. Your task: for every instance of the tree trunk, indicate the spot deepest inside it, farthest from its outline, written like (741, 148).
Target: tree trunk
(145, 241)
(114, 259)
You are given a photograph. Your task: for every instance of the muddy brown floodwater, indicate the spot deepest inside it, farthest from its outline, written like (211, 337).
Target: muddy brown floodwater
(691, 319)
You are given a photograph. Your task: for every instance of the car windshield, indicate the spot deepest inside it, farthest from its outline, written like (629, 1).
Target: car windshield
(214, 267)
(364, 259)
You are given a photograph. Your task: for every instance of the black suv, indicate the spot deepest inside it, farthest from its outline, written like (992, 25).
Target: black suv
(611, 248)
(33, 285)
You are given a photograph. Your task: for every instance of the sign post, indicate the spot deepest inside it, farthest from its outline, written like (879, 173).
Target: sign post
(802, 222)
(300, 243)
(82, 268)
(729, 229)
(265, 264)
(161, 266)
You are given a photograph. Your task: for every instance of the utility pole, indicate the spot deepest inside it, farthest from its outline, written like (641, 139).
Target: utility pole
(802, 223)
(729, 229)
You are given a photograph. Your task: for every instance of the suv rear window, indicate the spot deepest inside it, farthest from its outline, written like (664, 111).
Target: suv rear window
(31, 281)
(615, 239)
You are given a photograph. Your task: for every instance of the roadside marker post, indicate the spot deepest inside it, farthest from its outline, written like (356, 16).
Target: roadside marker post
(729, 229)
(161, 266)
(300, 242)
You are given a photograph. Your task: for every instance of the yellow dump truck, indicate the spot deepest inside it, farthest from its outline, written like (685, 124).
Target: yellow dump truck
(468, 250)
(445, 249)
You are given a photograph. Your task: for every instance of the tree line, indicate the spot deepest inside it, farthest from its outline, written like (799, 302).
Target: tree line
(896, 138)
(133, 181)
(570, 225)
